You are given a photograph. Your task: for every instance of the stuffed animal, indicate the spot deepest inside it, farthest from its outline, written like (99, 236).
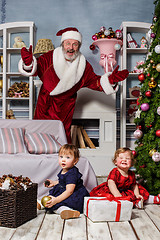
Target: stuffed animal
(10, 114)
(132, 111)
(18, 42)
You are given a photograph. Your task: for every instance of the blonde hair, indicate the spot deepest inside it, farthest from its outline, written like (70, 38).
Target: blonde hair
(71, 149)
(122, 150)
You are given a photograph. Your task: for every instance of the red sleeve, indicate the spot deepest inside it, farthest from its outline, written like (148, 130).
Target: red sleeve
(44, 62)
(113, 174)
(90, 79)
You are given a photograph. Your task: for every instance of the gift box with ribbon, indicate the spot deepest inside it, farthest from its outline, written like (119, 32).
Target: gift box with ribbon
(101, 209)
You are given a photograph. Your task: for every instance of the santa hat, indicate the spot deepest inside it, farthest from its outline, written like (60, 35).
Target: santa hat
(70, 33)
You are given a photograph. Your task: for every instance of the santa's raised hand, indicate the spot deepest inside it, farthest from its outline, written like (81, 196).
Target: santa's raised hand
(27, 55)
(118, 76)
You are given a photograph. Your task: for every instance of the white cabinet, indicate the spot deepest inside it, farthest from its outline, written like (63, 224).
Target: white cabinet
(21, 106)
(129, 58)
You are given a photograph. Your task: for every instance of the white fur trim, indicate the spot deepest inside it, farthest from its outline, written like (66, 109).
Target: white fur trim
(107, 87)
(71, 35)
(22, 67)
(28, 67)
(69, 74)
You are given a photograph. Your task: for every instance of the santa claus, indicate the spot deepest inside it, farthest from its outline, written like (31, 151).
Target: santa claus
(63, 72)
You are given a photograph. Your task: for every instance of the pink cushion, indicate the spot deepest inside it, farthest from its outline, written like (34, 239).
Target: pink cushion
(12, 140)
(39, 143)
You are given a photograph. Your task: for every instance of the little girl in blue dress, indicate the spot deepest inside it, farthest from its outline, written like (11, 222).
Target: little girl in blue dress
(67, 194)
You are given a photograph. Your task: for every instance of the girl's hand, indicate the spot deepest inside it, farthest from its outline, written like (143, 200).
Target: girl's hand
(50, 183)
(51, 202)
(139, 196)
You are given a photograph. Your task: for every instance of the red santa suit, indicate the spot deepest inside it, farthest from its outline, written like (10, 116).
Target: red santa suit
(61, 81)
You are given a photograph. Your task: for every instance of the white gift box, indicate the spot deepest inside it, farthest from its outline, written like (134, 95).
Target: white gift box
(99, 209)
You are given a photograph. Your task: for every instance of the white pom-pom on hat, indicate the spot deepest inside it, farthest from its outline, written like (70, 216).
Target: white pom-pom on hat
(70, 33)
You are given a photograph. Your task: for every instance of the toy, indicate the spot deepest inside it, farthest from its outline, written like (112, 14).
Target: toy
(137, 69)
(18, 42)
(10, 114)
(132, 111)
(143, 43)
(131, 42)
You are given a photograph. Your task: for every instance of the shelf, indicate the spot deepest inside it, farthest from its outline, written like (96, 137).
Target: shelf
(130, 99)
(13, 74)
(10, 74)
(137, 27)
(137, 50)
(19, 99)
(129, 58)
(14, 50)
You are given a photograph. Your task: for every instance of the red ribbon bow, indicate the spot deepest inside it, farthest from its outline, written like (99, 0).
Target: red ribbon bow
(118, 213)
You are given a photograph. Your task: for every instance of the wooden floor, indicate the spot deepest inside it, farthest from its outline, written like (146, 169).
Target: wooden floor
(144, 225)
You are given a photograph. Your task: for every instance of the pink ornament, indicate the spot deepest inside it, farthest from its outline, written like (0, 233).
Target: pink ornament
(144, 107)
(94, 37)
(118, 33)
(156, 157)
(153, 35)
(102, 29)
(138, 134)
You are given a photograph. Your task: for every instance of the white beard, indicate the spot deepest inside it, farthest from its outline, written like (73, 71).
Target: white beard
(69, 74)
(70, 58)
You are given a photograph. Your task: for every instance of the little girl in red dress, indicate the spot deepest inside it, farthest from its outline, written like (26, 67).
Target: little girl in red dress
(121, 182)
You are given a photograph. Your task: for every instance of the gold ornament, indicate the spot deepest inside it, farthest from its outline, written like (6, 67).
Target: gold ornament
(1, 83)
(152, 26)
(152, 151)
(158, 67)
(152, 84)
(152, 79)
(103, 36)
(153, 66)
(151, 61)
(45, 199)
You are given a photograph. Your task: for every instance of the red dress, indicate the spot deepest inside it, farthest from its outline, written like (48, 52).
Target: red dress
(124, 185)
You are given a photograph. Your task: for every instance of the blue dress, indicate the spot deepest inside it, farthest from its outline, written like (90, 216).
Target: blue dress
(76, 200)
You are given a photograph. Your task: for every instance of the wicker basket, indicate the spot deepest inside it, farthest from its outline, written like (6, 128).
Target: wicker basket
(18, 206)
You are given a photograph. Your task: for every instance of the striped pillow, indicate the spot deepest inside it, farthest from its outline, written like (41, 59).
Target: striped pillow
(39, 143)
(12, 140)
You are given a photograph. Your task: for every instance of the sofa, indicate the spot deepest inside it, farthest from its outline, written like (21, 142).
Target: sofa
(30, 148)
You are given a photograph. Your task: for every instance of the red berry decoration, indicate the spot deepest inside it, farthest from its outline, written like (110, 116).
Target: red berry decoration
(158, 133)
(92, 47)
(148, 74)
(141, 77)
(148, 94)
(138, 103)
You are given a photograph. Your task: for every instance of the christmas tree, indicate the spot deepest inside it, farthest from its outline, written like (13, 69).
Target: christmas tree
(147, 119)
